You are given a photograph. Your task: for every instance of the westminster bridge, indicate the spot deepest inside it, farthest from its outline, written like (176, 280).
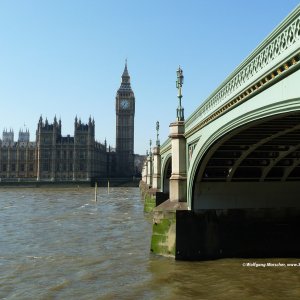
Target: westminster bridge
(231, 171)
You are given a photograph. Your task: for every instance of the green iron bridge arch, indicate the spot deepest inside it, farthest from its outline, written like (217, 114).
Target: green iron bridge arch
(240, 149)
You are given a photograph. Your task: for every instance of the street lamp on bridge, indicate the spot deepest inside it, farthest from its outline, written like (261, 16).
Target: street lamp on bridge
(150, 143)
(179, 83)
(157, 134)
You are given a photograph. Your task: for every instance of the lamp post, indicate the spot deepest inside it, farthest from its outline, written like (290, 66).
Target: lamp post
(179, 83)
(149, 166)
(178, 179)
(156, 162)
(157, 134)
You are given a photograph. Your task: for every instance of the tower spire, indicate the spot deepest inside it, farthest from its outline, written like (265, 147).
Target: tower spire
(125, 83)
(125, 72)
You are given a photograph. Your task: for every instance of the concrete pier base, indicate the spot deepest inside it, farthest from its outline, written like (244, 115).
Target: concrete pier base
(164, 233)
(151, 197)
(148, 195)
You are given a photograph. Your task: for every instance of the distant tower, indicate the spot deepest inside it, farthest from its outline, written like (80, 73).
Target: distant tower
(84, 140)
(24, 136)
(46, 141)
(125, 108)
(8, 136)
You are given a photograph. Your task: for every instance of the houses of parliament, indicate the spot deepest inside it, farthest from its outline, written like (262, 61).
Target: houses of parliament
(53, 157)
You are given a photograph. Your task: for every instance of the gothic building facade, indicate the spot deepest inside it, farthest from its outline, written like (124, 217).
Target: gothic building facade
(79, 157)
(53, 157)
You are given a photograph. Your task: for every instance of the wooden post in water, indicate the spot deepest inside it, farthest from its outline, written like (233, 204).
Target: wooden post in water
(96, 191)
(107, 186)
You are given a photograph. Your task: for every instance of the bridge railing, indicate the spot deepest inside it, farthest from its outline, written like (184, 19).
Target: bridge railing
(282, 43)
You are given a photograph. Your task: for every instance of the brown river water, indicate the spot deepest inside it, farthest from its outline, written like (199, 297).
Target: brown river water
(61, 244)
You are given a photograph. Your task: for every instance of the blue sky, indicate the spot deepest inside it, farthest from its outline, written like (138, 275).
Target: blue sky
(66, 57)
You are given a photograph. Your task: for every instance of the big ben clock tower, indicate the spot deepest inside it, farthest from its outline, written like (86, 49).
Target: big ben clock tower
(125, 107)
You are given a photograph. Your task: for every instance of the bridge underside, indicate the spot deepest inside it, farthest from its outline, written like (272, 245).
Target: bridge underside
(254, 166)
(245, 200)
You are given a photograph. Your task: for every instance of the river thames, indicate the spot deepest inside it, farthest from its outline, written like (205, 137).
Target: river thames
(61, 244)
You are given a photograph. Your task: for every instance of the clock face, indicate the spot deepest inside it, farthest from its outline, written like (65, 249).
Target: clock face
(124, 104)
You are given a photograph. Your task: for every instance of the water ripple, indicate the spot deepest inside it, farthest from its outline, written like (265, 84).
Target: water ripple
(60, 244)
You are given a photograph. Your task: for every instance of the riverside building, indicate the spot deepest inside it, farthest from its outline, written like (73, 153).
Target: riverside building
(53, 157)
